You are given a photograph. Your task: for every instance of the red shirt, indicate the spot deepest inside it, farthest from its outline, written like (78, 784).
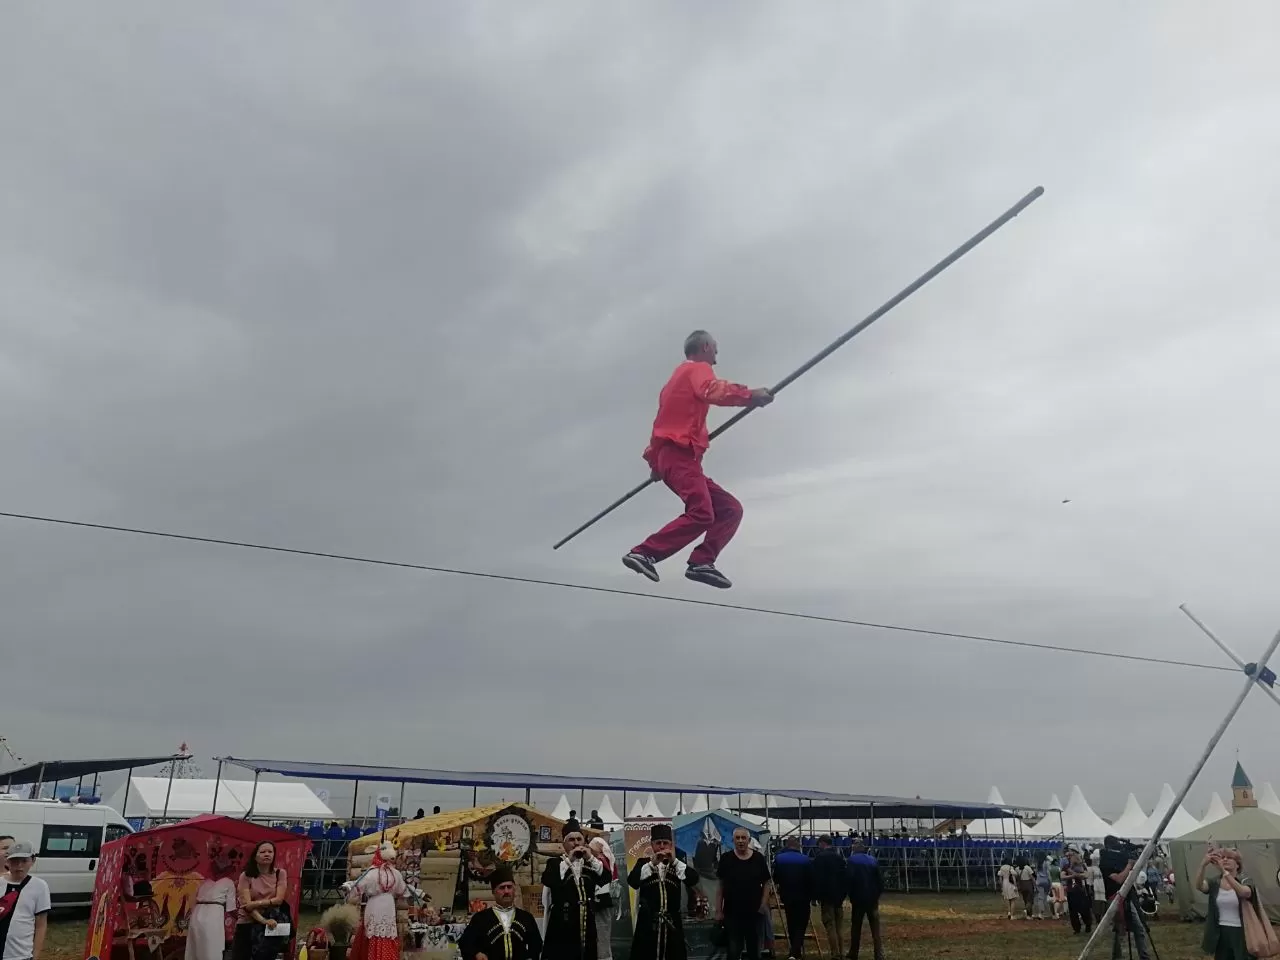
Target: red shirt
(684, 402)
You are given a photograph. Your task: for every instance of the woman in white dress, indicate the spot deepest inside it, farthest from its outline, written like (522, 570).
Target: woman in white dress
(1007, 877)
(207, 928)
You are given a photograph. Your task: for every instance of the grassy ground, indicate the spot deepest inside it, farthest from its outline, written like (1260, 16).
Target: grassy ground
(916, 927)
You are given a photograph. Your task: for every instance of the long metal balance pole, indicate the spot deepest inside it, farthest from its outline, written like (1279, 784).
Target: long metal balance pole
(1254, 673)
(880, 311)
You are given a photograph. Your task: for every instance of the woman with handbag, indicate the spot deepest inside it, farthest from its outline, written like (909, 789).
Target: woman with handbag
(1233, 906)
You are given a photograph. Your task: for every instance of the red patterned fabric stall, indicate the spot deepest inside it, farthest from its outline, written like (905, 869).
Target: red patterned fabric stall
(175, 860)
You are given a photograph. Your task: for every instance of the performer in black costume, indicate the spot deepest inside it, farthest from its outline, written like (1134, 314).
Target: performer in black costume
(572, 880)
(504, 931)
(659, 932)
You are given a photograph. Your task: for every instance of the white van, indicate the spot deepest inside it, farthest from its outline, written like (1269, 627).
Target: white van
(67, 838)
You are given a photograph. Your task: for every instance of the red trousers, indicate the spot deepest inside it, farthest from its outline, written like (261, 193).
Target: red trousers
(708, 508)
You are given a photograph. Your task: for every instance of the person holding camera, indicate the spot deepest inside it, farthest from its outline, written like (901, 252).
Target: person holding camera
(1229, 896)
(1117, 860)
(571, 880)
(658, 883)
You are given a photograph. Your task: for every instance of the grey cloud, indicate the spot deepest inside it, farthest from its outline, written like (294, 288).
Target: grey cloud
(406, 284)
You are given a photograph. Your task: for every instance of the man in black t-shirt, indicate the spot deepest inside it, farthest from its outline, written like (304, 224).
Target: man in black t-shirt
(744, 883)
(1116, 862)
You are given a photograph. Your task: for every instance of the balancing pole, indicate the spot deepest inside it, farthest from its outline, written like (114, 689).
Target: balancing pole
(884, 308)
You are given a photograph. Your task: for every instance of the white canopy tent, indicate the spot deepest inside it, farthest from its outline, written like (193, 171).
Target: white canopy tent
(1267, 798)
(1079, 821)
(1181, 822)
(562, 808)
(611, 819)
(1011, 827)
(1052, 825)
(637, 809)
(651, 808)
(153, 798)
(1216, 811)
(724, 804)
(700, 803)
(994, 797)
(1131, 821)
(776, 826)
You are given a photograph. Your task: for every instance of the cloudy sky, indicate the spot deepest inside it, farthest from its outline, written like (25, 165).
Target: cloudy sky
(404, 282)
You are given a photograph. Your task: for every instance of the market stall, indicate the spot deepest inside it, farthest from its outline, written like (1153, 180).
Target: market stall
(449, 856)
(147, 882)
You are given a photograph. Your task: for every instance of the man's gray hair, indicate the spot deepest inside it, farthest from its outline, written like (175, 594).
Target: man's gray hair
(695, 341)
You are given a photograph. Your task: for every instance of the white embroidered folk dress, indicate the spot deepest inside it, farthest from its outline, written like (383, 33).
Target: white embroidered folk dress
(380, 887)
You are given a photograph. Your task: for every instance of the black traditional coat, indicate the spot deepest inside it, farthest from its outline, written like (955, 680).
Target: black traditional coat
(486, 934)
(659, 931)
(571, 929)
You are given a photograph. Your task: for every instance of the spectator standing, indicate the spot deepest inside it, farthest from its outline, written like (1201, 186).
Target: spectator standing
(744, 884)
(1042, 889)
(1007, 878)
(1099, 886)
(1229, 895)
(1026, 884)
(25, 905)
(865, 887)
(830, 887)
(793, 876)
(595, 821)
(1079, 893)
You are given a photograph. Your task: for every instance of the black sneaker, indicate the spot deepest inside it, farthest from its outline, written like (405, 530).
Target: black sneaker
(641, 564)
(708, 574)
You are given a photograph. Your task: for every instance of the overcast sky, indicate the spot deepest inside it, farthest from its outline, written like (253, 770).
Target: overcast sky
(404, 281)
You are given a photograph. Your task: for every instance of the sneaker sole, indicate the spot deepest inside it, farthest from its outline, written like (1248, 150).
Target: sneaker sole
(709, 581)
(631, 563)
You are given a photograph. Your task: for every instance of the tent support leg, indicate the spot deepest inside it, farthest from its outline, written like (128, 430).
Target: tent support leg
(253, 797)
(213, 808)
(355, 794)
(128, 785)
(168, 791)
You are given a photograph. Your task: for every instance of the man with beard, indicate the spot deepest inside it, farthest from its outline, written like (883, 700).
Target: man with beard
(744, 886)
(657, 881)
(504, 931)
(571, 881)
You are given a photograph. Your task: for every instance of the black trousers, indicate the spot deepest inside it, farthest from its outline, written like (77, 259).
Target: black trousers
(1080, 908)
(872, 913)
(742, 936)
(797, 924)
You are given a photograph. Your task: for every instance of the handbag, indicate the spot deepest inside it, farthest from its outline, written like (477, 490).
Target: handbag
(1259, 938)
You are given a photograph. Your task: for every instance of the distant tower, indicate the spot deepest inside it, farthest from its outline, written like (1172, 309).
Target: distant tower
(1242, 790)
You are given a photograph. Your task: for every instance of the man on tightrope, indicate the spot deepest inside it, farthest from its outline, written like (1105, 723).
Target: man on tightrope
(674, 456)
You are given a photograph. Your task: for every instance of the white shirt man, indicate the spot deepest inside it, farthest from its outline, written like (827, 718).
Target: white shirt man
(24, 906)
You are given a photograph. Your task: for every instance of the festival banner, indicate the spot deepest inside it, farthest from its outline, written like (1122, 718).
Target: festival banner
(635, 835)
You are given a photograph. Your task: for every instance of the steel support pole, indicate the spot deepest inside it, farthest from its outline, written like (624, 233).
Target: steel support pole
(168, 790)
(216, 784)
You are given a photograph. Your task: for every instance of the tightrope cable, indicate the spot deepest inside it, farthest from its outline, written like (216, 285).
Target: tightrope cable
(616, 591)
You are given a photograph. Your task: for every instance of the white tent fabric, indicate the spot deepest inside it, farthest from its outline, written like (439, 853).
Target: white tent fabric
(1267, 798)
(1051, 825)
(637, 809)
(150, 797)
(994, 797)
(1217, 811)
(776, 826)
(561, 811)
(724, 803)
(1010, 827)
(700, 803)
(1181, 822)
(611, 819)
(651, 808)
(1080, 822)
(818, 826)
(1133, 820)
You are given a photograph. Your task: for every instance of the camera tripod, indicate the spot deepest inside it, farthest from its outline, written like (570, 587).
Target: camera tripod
(1128, 914)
